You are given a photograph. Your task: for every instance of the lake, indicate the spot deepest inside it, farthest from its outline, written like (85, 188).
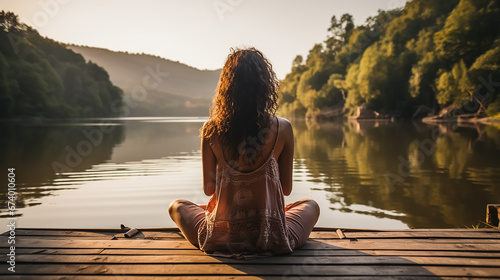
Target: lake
(103, 173)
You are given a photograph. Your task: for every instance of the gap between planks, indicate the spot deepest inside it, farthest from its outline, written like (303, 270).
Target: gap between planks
(240, 277)
(276, 260)
(310, 245)
(256, 270)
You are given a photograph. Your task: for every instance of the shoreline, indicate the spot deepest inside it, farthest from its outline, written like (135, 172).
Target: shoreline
(457, 119)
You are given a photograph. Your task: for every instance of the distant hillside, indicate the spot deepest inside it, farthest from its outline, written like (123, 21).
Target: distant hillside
(177, 90)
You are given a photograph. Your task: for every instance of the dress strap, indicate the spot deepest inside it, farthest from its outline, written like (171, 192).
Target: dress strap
(217, 150)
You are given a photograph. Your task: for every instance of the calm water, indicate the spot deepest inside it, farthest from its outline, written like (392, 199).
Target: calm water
(365, 175)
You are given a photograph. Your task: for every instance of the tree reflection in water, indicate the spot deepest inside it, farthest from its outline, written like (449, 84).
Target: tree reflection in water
(38, 152)
(347, 162)
(448, 186)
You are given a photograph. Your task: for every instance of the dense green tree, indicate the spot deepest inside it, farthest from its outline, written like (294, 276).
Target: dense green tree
(454, 86)
(431, 53)
(42, 78)
(340, 31)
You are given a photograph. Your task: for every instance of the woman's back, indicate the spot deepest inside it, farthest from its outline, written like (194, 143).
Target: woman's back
(246, 212)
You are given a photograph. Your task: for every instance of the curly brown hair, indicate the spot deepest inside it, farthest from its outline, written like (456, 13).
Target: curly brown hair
(245, 98)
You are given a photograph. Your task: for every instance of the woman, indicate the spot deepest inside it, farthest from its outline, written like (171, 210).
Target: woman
(247, 156)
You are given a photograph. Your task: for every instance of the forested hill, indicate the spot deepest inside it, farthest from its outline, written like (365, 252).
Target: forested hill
(127, 70)
(429, 55)
(155, 86)
(42, 78)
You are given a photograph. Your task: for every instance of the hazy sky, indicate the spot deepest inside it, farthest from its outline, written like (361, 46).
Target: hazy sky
(197, 32)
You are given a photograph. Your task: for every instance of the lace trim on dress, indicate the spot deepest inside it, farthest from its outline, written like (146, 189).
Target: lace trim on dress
(238, 236)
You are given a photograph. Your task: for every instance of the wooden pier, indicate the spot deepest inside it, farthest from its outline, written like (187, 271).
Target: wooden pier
(330, 253)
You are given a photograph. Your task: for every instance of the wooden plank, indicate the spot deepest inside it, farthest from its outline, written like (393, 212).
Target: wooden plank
(313, 235)
(279, 260)
(152, 252)
(301, 252)
(23, 251)
(253, 269)
(407, 234)
(55, 237)
(140, 236)
(495, 234)
(411, 241)
(57, 231)
(402, 253)
(113, 230)
(69, 233)
(316, 229)
(95, 235)
(242, 277)
(391, 245)
(155, 235)
(162, 235)
(26, 242)
(407, 230)
(311, 245)
(402, 245)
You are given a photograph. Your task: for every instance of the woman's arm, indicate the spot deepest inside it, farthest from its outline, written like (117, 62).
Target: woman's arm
(209, 163)
(285, 160)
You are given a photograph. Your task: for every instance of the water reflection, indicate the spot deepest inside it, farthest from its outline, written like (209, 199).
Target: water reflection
(155, 140)
(445, 182)
(127, 171)
(39, 153)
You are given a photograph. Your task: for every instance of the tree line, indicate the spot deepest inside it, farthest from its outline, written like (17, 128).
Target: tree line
(40, 77)
(429, 55)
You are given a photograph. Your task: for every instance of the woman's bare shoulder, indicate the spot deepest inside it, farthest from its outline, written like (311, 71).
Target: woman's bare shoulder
(285, 131)
(285, 124)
